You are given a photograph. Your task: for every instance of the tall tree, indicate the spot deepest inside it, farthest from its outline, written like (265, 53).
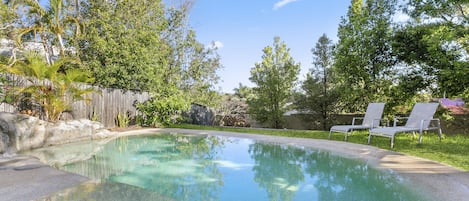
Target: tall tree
(275, 78)
(144, 45)
(7, 19)
(199, 77)
(192, 66)
(363, 58)
(319, 96)
(436, 41)
(122, 44)
(132, 45)
(47, 24)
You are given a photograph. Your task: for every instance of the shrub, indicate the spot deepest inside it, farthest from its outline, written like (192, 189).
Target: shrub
(165, 107)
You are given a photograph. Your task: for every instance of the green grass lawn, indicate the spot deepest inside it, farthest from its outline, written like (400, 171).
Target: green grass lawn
(452, 150)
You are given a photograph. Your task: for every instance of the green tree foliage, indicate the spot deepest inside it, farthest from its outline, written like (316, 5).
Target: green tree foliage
(141, 45)
(243, 92)
(363, 57)
(436, 42)
(122, 44)
(132, 45)
(439, 67)
(7, 19)
(53, 90)
(274, 78)
(319, 95)
(46, 25)
(199, 77)
(191, 65)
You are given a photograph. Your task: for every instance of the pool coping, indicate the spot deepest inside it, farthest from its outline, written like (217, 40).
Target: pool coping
(442, 181)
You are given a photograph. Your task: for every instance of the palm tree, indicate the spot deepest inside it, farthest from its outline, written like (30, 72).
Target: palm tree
(53, 90)
(47, 23)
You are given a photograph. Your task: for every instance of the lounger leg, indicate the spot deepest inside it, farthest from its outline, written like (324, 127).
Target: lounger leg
(369, 138)
(346, 133)
(392, 142)
(439, 133)
(420, 138)
(439, 129)
(330, 132)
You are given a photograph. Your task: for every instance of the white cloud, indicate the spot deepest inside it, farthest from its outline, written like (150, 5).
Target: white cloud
(282, 3)
(215, 45)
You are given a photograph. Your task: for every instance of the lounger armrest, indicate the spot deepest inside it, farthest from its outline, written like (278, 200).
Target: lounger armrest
(430, 127)
(353, 120)
(397, 119)
(377, 122)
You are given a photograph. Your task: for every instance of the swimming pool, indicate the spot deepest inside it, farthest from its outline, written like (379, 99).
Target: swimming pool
(208, 167)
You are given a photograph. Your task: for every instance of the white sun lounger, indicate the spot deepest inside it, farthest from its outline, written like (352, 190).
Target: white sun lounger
(372, 118)
(420, 120)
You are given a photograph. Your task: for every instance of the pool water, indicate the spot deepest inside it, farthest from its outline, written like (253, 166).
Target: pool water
(204, 168)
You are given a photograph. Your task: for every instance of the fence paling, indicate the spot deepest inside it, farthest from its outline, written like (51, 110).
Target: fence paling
(104, 103)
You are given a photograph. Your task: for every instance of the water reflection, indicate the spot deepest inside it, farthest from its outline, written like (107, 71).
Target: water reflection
(201, 168)
(106, 191)
(352, 180)
(335, 185)
(173, 165)
(278, 169)
(285, 171)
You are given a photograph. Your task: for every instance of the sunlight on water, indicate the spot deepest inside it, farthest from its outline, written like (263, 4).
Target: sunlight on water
(232, 165)
(201, 168)
(283, 184)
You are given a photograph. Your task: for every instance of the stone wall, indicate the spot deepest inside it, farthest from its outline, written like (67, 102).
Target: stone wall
(20, 132)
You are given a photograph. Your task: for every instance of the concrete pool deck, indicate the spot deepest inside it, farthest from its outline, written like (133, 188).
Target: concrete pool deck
(27, 178)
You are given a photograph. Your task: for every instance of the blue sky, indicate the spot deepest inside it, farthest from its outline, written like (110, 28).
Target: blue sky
(242, 28)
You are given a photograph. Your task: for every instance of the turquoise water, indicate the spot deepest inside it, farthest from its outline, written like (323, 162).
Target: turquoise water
(204, 168)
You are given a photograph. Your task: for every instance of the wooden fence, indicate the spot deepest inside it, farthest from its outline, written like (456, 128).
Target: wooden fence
(104, 104)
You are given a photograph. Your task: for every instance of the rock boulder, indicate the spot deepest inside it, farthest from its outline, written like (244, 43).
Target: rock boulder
(20, 132)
